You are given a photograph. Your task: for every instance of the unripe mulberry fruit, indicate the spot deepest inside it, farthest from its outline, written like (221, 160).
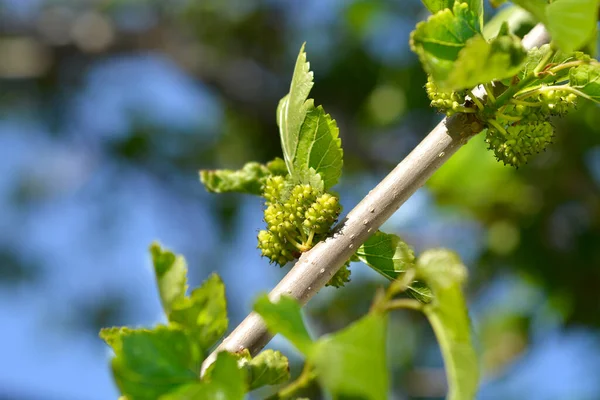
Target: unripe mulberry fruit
(322, 213)
(273, 187)
(519, 142)
(274, 248)
(341, 277)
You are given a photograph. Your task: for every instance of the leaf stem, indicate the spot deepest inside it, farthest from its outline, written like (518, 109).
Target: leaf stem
(304, 379)
(403, 303)
(466, 110)
(508, 117)
(490, 93)
(509, 93)
(475, 99)
(525, 103)
(400, 285)
(543, 62)
(497, 126)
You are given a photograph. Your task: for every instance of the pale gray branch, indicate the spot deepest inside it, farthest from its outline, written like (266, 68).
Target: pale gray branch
(314, 269)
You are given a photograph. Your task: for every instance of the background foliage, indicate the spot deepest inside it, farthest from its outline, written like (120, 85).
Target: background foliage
(108, 109)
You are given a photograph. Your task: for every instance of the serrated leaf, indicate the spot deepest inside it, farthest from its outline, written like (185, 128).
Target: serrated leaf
(319, 147)
(439, 40)
(536, 55)
(387, 254)
(248, 180)
(268, 368)
(150, 363)
(571, 23)
(204, 313)
(309, 177)
(112, 336)
(284, 317)
(352, 362)
(438, 5)
(481, 61)
(171, 275)
(444, 273)
(586, 80)
(292, 109)
(227, 382)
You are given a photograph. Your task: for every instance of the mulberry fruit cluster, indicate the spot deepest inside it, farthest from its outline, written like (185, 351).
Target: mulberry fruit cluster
(523, 129)
(297, 217)
(519, 142)
(446, 102)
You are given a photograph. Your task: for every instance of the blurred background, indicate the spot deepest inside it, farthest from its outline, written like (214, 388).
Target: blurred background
(109, 108)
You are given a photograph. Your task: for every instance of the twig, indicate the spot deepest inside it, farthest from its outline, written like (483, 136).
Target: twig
(315, 267)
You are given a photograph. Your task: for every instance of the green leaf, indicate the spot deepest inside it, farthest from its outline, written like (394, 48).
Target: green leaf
(284, 317)
(444, 273)
(248, 180)
(439, 5)
(352, 362)
(204, 313)
(515, 17)
(292, 109)
(571, 23)
(480, 62)
(268, 368)
(112, 336)
(309, 177)
(227, 382)
(586, 80)
(171, 275)
(150, 363)
(387, 254)
(319, 147)
(439, 40)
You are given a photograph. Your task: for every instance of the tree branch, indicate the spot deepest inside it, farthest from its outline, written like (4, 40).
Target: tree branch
(315, 267)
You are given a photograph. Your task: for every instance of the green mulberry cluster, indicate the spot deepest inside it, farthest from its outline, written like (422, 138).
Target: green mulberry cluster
(446, 102)
(522, 128)
(518, 142)
(297, 218)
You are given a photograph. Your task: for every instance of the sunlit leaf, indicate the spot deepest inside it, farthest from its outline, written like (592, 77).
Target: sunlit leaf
(171, 276)
(227, 382)
(319, 147)
(571, 23)
(204, 312)
(248, 180)
(387, 254)
(284, 317)
(150, 363)
(481, 61)
(292, 109)
(267, 368)
(444, 273)
(439, 40)
(586, 80)
(438, 5)
(352, 363)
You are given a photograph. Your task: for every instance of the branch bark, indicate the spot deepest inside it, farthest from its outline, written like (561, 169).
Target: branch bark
(315, 267)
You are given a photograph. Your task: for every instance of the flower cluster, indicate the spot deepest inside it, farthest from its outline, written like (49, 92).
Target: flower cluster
(297, 217)
(447, 102)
